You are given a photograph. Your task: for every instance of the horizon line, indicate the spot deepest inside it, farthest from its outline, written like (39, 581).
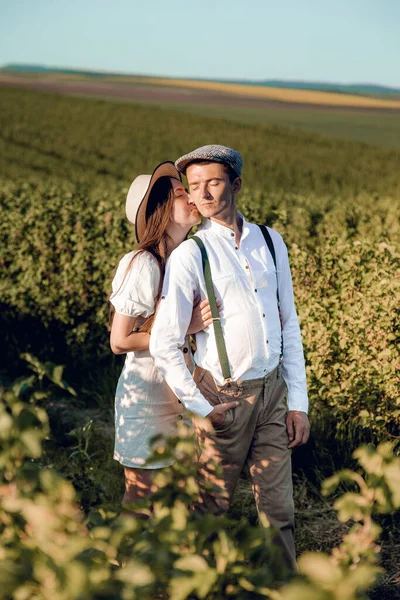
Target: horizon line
(195, 78)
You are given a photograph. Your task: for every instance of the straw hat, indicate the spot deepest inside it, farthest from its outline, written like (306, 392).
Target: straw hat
(139, 192)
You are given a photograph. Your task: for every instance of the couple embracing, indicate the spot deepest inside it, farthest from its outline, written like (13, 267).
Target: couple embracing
(231, 285)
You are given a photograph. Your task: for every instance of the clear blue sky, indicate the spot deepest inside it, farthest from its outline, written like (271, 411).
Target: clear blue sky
(326, 40)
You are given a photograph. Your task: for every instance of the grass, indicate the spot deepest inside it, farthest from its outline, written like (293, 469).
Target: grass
(379, 129)
(369, 127)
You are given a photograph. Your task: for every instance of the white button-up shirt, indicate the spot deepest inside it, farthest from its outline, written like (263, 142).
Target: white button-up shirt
(245, 281)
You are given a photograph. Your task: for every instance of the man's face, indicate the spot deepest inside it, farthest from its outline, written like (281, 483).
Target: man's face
(211, 190)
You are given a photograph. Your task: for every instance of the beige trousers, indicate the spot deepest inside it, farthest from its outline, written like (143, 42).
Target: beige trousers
(252, 435)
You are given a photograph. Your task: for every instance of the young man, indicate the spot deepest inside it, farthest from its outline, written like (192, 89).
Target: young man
(260, 413)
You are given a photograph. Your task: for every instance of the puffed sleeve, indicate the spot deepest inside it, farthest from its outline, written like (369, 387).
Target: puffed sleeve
(134, 292)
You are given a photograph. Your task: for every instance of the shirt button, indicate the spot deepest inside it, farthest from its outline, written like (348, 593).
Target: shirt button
(267, 341)
(247, 267)
(255, 291)
(236, 248)
(263, 314)
(162, 297)
(232, 234)
(185, 350)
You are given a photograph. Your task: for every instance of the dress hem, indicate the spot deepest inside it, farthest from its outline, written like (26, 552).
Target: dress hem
(126, 463)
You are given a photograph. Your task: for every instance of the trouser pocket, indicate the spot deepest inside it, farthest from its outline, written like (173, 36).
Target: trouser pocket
(206, 384)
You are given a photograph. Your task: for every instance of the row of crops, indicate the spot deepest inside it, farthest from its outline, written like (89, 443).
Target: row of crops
(65, 167)
(65, 170)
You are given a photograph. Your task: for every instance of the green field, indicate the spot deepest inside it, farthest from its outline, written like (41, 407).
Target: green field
(65, 167)
(378, 128)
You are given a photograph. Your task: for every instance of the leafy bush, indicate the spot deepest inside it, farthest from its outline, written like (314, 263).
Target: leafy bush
(352, 567)
(60, 262)
(49, 549)
(347, 296)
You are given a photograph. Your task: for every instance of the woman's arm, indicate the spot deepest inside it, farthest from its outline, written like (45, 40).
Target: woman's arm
(124, 338)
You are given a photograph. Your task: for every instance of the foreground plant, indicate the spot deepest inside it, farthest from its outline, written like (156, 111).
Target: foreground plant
(48, 549)
(352, 568)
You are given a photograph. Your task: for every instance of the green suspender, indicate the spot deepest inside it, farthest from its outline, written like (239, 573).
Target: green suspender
(219, 338)
(270, 244)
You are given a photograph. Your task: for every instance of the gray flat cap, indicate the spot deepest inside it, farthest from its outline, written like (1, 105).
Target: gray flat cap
(215, 153)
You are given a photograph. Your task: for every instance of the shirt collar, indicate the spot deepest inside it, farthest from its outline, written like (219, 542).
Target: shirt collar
(222, 230)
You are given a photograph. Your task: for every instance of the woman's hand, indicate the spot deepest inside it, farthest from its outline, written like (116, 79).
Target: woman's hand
(201, 316)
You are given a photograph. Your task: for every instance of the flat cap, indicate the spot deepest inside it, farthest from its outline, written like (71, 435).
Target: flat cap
(214, 153)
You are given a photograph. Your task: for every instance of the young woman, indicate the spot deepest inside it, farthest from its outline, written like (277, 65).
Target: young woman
(160, 208)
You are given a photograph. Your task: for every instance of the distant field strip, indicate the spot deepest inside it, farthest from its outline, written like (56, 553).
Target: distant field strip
(278, 94)
(217, 89)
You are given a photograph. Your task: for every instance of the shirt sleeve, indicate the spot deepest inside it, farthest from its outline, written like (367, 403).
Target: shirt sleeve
(169, 330)
(135, 285)
(293, 366)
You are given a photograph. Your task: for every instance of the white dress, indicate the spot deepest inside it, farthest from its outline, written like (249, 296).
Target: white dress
(144, 404)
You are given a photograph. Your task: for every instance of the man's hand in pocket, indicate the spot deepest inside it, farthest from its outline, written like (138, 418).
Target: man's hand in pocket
(217, 415)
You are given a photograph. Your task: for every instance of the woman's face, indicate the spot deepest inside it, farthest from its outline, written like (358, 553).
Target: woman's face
(184, 213)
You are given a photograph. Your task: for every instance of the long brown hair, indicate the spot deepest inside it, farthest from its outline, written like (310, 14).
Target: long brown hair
(155, 237)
